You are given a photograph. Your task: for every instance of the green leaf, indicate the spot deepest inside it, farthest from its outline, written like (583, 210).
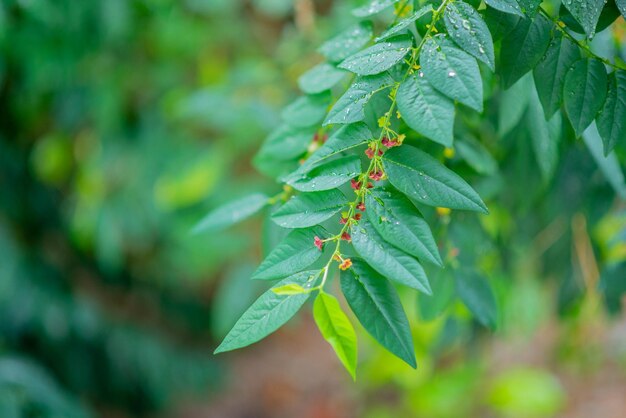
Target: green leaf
(373, 7)
(506, 6)
(611, 121)
(350, 107)
(545, 136)
(550, 72)
(268, 313)
(388, 260)
(344, 139)
(529, 7)
(328, 175)
(500, 24)
(295, 252)
(379, 57)
(231, 213)
(399, 222)
(452, 72)
(289, 289)
(586, 12)
(286, 143)
(430, 307)
(306, 111)
(585, 91)
(476, 293)
(513, 104)
(405, 23)
(426, 180)
(425, 110)
(337, 330)
(309, 209)
(469, 31)
(609, 165)
(476, 155)
(621, 5)
(347, 42)
(320, 78)
(375, 303)
(523, 48)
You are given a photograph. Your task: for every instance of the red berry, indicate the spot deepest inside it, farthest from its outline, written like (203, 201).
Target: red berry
(361, 207)
(356, 185)
(357, 216)
(318, 243)
(346, 237)
(370, 153)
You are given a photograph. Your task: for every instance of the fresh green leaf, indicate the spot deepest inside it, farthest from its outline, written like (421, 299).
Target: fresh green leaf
(523, 48)
(320, 78)
(268, 313)
(476, 293)
(286, 143)
(327, 175)
(586, 12)
(405, 23)
(347, 42)
(379, 57)
(585, 91)
(344, 139)
(336, 329)
(399, 222)
(388, 260)
(231, 213)
(295, 252)
(308, 209)
(425, 110)
(350, 107)
(513, 104)
(289, 289)
(545, 136)
(426, 180)
(506, 6)
(476, 155)
(468, 29)
(307, 110)
(452, 72)
(611, 121)
(377, 306)
(550, 72)
(373, 7)
(529, 7)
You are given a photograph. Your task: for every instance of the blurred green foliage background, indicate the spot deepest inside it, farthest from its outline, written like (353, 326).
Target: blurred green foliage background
(123, 121)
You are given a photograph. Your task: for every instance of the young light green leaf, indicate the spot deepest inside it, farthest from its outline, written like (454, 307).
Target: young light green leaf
(586, 12)
(405, 23)
(286, 143)
(347, 42)
(425, 110)
(476, 293)
(306, 110)
(327, 175)
(388, 260)
(268, 313)
(379, 57)
(320, 78)
(550, 72)
(452, 72)
(545, 136)
(399, 222)
(308, 209)
(350, 106)
(373, 7)
(375, 303)
(506, 6)
(611, 121)
(295, 252)
(469, 31)
(476, 155)
(585, 91)
(231, 213)
(523, 48)
(337, 330)
(513, 104)
(289, 289)
(423, 178)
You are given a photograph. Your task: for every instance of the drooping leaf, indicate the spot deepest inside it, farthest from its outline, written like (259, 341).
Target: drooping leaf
(611, 120)
(379, 57)
(545, 136)
(550, 72)
(506, 6)
(306, 110)
(350, 107)
(523, 48)
(468, 30)
(423, 178)
(586, 12)
(375, 303)
(405, 23)
(500, 24)
(476, 293)
(295, 252)
(426, 110)
(327, 175)
(286, 143)
(609, 13)
(387, 259)
(452, 72)
(373, 7)
(513, 104)
(584, 92)
(399, 222)
(320, 78)
(231, 213)
(609, 165)
(268, 313)
(347, 42)
(336, 329)
(308, 209)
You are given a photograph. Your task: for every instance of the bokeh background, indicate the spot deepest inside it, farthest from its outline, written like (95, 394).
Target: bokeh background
(122, 122)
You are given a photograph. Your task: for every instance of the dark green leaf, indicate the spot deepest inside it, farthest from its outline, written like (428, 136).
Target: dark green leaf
(513, 104)
(500, 24)
(529, 7)
(375, 303)
(379, 57)
(373, 7)
(306, 110)
(470, 31)
(294, 253)
(327, 175)
(426, 180)
(476, 293)
(405, 23)
(612, 118)
(320, 78)
(231, 213)
(621, 5)
(586, 12)
(584, 93)
(506, 6)
(425, 110)
(308, 209)
(347, 42)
